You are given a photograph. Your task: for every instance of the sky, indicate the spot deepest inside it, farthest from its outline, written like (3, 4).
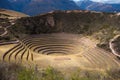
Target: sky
(104, 1)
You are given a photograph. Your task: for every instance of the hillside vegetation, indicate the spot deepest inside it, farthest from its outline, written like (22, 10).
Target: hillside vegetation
(67, 21)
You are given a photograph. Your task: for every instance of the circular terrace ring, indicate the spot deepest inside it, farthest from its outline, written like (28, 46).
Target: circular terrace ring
(52, 46)
(57, 49)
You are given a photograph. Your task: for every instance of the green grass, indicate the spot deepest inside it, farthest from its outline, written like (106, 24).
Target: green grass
(27, 74)
(51, 74)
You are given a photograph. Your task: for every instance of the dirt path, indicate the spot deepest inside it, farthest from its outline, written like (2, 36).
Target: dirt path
(5, 28)
(113, 44)
(5, 32)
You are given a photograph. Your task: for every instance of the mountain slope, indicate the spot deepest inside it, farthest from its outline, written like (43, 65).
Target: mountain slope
(19, 4)
(5, 4)
(97, 6)
(43, 6)
(34, 7)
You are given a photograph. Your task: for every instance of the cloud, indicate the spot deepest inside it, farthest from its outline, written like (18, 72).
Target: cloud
(103, 1)
(108, 1)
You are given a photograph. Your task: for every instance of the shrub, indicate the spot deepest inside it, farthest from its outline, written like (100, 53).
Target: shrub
(26, 74)
(8, 71)
(51, 74)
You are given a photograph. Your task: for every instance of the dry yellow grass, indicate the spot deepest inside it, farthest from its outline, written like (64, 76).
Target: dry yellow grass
(12, 14)
(4, 48)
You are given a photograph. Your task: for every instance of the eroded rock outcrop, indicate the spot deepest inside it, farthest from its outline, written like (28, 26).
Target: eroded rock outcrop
(50, 21)
(115, 45)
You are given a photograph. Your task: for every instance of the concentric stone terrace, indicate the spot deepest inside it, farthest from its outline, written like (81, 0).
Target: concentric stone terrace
(46, 44)
(66, 49)
(51, 44)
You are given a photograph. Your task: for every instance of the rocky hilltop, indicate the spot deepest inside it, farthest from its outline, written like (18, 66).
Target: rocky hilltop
(75, 21)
